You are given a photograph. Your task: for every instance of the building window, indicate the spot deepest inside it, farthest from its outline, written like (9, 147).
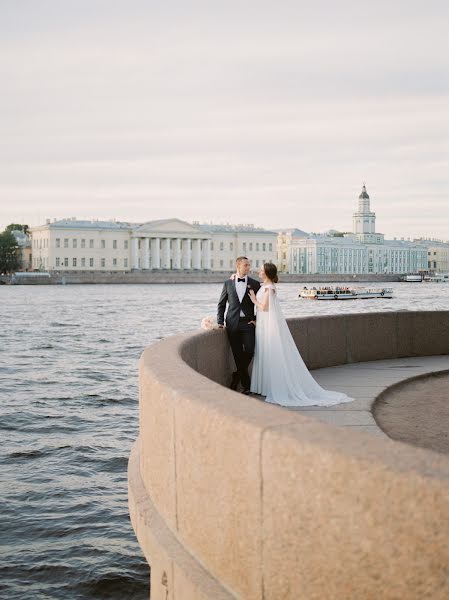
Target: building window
(91, 243)
(83, 243)
(91, 262)
(83, 262)
(221, 246)
(103, 244)
(231, 246)
(114, 244)
(264, 247)
(73, 262)
(257, 246)
(74, 243)
(270, 247)
(125, 244)
(114, 262)
(257, 263)
(212, 245)
(125, 263)
(231, 264)
(66, 262)
(221, 263)
(66, 242)
(103, 262)
(58, 242)
(250, 246)
(244, 246)
(58, 262)
(211, 263)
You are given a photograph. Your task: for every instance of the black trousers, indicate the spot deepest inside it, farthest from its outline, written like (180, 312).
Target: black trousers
(242, 342)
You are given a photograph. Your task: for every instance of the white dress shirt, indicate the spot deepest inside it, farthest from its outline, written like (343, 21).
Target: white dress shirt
(240, 288)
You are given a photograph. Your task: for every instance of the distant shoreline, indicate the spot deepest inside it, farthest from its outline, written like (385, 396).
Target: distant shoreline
(162, 277)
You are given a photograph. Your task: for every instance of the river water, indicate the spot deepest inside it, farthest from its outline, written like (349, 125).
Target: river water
(69, 414)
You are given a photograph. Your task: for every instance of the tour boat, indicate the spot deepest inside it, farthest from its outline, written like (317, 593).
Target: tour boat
(437, 278)
(345, 293)
(412, 278)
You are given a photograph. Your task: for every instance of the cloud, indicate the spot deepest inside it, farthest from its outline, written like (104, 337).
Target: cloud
(261, 112)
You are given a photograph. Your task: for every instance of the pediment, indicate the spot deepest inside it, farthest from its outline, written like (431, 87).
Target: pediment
(168, 226)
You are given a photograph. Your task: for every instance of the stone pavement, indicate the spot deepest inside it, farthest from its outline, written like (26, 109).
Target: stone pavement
(364, 382)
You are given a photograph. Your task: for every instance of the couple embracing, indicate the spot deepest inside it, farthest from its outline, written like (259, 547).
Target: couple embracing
(257, 328)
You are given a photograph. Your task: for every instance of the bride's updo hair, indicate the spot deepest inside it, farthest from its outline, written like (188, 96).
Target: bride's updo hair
(271, 271)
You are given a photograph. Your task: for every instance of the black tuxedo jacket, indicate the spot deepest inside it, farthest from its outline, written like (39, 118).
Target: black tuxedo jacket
(229, 296)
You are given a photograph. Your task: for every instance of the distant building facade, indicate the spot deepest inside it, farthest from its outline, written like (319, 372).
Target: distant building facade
(363, 251)
(284, 243)
(169, 244)
(72, 245)
(231, 241)
(437, 255)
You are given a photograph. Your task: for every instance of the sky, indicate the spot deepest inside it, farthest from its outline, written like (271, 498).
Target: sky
(272, 113)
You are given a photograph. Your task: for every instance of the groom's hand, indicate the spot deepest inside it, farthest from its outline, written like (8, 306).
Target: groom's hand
(252, 323)
(221, 327)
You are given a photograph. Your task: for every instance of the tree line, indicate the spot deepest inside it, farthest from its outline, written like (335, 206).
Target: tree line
(9, 257)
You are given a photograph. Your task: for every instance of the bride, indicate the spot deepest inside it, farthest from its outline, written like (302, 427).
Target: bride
(279, 373)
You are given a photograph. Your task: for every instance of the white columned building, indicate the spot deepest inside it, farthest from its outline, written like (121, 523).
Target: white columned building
(174, 244)
(230, 241)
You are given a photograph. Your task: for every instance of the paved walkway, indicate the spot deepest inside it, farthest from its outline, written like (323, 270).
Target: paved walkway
(364, 382)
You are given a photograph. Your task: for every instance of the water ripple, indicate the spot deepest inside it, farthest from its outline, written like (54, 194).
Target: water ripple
(69, 415)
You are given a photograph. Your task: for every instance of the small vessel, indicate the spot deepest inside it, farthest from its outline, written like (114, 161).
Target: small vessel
(412, 278)
(437, 278)
(345, 293)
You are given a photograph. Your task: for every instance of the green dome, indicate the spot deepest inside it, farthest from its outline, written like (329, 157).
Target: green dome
(364, 193)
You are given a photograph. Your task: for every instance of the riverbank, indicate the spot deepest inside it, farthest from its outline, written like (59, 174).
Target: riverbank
(139, 277)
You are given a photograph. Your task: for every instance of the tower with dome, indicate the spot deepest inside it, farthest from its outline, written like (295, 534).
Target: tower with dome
(364, 221)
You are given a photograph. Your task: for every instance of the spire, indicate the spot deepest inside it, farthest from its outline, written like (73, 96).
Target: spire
(364, 193)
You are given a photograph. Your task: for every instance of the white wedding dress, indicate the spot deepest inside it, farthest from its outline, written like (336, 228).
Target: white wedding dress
(279, 373)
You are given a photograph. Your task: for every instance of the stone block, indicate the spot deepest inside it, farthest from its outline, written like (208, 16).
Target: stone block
(218, 483)
(371, 336)
(157, 457)
(326, 341)
(341, 524)
(430, 333)
(404, 333)
(147, 526)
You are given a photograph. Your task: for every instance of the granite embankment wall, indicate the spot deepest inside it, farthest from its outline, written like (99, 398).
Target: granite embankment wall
(71, 278)
(234, 498)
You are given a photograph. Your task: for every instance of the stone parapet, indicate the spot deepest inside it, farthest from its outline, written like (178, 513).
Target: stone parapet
(232, 498)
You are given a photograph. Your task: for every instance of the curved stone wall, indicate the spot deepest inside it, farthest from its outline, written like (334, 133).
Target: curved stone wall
(234, 498)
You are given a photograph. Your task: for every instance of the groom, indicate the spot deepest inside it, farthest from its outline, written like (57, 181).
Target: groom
(240, 320)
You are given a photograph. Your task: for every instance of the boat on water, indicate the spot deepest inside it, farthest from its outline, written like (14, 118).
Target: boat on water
(345, 293)
(413, 278)
(437, 278)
